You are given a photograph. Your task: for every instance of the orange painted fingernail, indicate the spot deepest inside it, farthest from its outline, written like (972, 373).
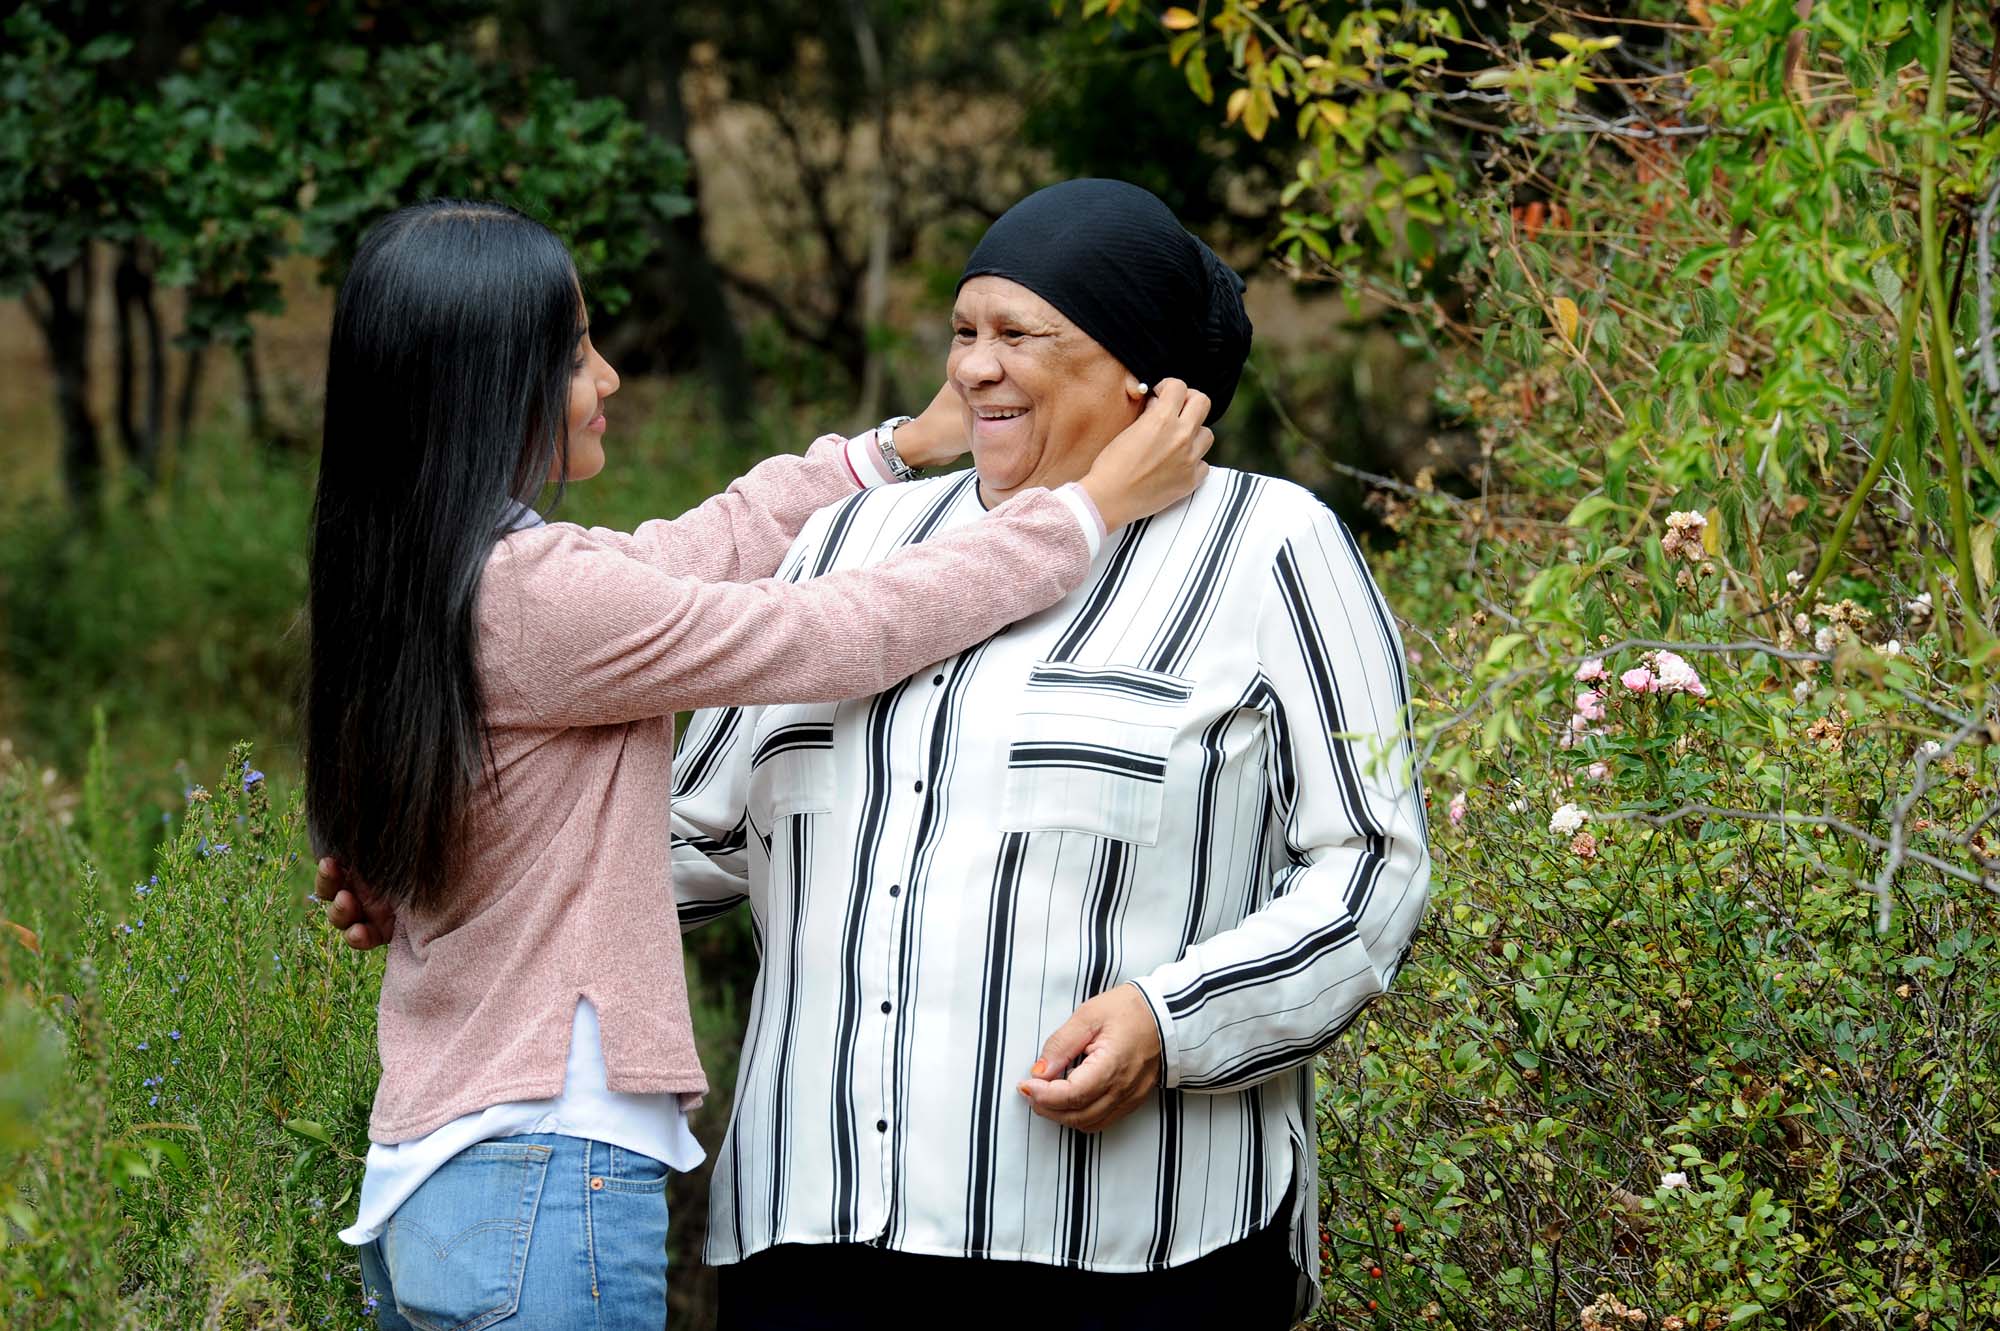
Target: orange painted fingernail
(1041, 1068)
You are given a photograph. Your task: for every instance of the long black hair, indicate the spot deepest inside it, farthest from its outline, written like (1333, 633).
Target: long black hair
(447, 395)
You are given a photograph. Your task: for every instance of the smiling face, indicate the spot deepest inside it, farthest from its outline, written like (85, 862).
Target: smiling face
(592, 381)
(1042, 398)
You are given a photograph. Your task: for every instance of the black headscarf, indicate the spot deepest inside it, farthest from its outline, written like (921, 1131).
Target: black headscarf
(1117, 263)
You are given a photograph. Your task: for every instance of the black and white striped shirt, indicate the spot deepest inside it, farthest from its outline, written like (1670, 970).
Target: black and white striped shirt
(1192, 774)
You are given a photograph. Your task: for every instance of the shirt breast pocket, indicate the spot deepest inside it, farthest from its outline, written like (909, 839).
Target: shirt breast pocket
(791, 763)
(1089, 751)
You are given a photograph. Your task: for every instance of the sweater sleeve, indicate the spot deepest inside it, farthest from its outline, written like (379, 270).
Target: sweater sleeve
(1339, 913)
(575, 633)
(743, 532)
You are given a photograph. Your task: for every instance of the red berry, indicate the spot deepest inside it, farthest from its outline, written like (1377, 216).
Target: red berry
(1375, 1271)
(1372, 1305)
(1398, 1226)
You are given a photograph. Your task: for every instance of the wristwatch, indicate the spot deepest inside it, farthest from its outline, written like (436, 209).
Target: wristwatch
(885, 439)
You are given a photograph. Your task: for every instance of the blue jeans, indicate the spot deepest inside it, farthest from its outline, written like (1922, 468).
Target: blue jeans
(533, 1233)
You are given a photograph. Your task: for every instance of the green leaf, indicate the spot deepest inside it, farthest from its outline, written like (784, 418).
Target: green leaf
(305, 1127)
(1503, 645)
(1590, 507)
(1198, 80)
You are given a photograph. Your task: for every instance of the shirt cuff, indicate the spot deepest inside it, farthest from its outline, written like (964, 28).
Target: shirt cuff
(1085, 508)
(864, 459)
(1170, 1048)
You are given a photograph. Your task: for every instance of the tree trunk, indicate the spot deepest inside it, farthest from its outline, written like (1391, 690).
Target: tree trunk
(689, 274)
(65, 324)
(192, 362)
(134, 295)
(255, 404)
(881, 200)
(682, 299)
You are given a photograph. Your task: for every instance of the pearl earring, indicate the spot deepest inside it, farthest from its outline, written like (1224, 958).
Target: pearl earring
(1145, 389)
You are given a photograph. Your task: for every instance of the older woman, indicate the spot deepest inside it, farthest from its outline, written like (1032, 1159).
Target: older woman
(1052, 932)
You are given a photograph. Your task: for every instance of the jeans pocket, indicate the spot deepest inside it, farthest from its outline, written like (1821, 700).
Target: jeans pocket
(631, 1171)
(458, 1248)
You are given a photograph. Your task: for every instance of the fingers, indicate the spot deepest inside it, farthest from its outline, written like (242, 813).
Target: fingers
(344, 909)
(1065, 1045)
(1169, 397)
(363, 920)
(1194, 410)
(1086, 1084)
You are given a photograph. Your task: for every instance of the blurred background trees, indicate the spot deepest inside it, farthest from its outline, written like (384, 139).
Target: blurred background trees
(1648, 346)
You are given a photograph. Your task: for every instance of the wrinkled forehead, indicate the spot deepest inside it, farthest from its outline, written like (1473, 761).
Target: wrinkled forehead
(1000, 300)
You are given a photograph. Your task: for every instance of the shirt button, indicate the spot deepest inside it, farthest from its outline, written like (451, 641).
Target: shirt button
(885, 1005)
(920, 787)
(937, 679)
(881, 1125)
(895, 889)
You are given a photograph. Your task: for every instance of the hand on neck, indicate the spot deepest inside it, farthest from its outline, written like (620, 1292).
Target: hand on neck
(1058, 467)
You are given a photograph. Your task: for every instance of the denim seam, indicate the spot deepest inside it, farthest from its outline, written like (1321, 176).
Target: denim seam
(590, 1149)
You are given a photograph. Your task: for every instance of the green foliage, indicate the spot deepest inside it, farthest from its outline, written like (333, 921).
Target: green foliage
(287, 130)
(1701, 1028)
(216, 1100)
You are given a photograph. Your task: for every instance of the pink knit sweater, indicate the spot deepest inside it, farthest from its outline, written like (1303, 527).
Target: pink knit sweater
(589, 641)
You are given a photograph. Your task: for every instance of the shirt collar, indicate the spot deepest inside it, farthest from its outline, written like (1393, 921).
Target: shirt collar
(517, 516)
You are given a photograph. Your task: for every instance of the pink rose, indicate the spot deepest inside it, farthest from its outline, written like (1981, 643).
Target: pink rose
(1677, 676)
(1456, 812)
(1590, 705)
(1639, 680)
(1591, 671)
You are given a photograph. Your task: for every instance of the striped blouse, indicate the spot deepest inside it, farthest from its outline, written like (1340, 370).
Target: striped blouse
(1192, 774)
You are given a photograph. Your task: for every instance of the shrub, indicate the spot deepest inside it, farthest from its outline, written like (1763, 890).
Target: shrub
(221, 1064)
(1700, 1028)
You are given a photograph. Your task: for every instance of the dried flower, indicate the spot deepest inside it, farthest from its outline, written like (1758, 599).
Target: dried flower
(1683, 538)
(1824, 640)
(1802, 690)
(1584, 846)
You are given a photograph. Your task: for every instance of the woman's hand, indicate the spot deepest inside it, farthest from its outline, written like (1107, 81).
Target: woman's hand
(1156, 461)
(364, 919)
(1120, 1045)
(938, 436)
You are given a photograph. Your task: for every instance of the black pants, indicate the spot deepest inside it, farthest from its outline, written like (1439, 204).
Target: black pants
(1247, 1286)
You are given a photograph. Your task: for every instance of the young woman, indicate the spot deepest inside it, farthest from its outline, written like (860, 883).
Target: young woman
(489, 741)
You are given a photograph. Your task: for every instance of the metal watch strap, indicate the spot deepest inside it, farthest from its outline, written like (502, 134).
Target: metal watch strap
(885, 439)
